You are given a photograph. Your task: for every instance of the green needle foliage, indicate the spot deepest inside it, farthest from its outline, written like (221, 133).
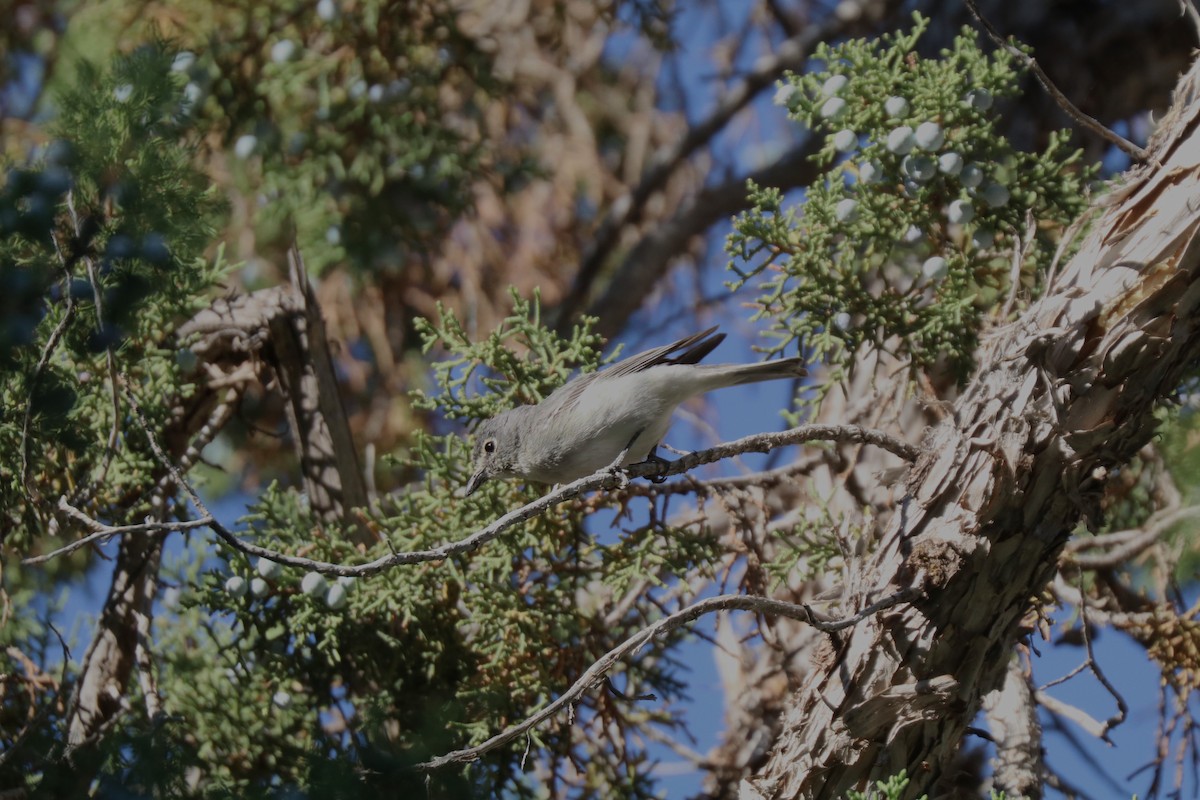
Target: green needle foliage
(357, 126)
(101, 256)
(907, 239)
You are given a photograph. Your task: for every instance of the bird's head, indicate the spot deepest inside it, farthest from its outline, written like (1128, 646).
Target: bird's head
(494, 454)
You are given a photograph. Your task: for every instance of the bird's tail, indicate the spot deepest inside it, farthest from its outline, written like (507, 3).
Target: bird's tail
(736, 374)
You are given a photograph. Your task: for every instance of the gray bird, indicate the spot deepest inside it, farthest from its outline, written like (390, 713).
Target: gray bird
(587, 423)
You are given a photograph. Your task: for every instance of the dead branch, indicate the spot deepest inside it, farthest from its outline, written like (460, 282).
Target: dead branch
(1120, 546)
(791, 54)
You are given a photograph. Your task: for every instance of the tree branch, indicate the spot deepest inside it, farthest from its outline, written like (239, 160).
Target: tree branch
(596, 672)
(648, 260)
(1125, 544)
(102, 531)
(791, 54)
(605, 479)
(1090, 123)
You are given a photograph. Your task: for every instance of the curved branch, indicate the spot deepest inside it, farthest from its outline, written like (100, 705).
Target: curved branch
(604, 479)
(1072, 110)
(600, 668)
(647, 261)
(102, 531)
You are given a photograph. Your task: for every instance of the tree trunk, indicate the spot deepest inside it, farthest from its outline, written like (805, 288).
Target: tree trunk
(1062, 396)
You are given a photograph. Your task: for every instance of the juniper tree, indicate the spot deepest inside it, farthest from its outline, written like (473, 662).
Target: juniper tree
(526, 641)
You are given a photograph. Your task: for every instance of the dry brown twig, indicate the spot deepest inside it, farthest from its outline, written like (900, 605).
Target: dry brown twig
(789, 54)
(1120, 546)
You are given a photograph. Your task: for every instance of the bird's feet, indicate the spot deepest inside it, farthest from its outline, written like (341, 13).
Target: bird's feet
(658, 461)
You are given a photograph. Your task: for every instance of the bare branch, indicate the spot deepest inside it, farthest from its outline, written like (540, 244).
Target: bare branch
(31, 724)
(321, 433)
(634, 278)
(110, 355)
(1077, 715)
(1090, 123)
(692, 485)
(595, 673)
(102, 531)
(605, 479)
(47, 352)
(1122, 708)
(1088, 723)
(1127, 543)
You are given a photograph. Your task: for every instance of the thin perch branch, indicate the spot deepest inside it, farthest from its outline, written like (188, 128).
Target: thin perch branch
(102, 531)
(605, 479)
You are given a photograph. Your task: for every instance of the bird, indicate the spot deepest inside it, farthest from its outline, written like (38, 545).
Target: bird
(614, 417)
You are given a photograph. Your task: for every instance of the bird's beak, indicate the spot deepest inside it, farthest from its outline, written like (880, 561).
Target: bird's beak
(476, 481)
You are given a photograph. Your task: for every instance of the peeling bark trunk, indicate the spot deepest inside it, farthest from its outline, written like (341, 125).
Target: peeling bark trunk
(285, 323)
(101, 692)
(846, 481)
(1061, 397)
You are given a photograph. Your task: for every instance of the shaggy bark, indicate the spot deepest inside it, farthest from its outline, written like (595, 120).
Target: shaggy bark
(845, 480)
(1062, 396)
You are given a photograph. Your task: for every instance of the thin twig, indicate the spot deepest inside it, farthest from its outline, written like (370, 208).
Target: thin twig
(595, 673)
(31, 387)
(102, 531)
(1080, 717)
(768, 477)
(110, 356)
(14, 744)
(1090, 123)
(43, 361)
(1122, 709)
(605, 479)
(166, 462)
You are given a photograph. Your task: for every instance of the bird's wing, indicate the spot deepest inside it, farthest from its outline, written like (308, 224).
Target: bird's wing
(694, 347)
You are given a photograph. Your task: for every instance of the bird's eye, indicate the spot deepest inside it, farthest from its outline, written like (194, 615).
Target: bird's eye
(489, 446)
